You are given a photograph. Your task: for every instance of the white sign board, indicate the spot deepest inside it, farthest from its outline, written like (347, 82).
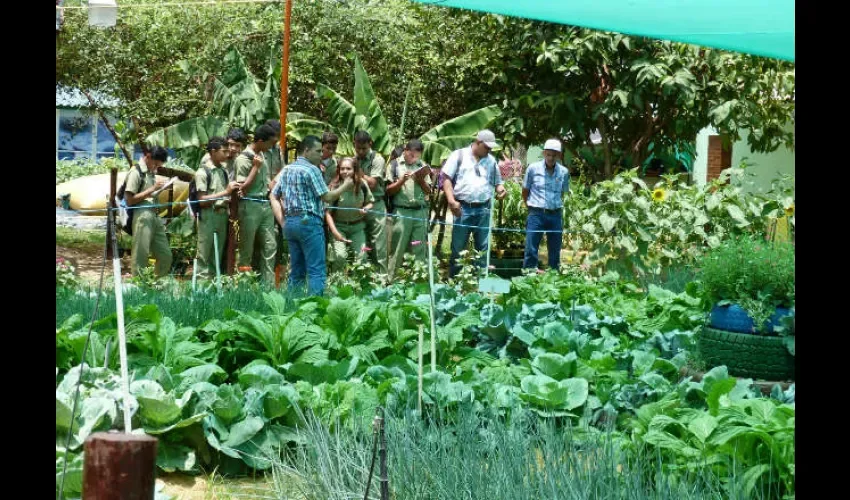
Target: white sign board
(494, 285)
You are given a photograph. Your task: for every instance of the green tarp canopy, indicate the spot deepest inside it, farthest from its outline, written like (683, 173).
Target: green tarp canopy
(759, 27)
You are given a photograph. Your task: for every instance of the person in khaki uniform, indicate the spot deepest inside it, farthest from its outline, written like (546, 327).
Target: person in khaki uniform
(234, 144)
(374, 169)
(148, 229)
(329, 164)
(213, 183)
(408, 184)
(348, 226)
(256, 220)
(274, 156)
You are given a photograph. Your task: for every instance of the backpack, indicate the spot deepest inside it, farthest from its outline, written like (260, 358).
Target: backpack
(126, 216)
(443, 176)
(194, 202)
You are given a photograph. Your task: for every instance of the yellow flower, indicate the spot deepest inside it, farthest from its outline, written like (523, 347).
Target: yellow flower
(658, 195)
(789, 211)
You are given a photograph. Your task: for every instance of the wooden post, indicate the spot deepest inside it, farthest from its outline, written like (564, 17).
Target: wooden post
(119, 466)
(110, 206)
(230, 265)
(382, 455)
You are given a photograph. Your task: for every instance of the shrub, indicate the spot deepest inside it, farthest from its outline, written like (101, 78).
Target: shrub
(752, 273)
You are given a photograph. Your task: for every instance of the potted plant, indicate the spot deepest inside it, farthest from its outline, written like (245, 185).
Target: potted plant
(509, 246)
(748, 287)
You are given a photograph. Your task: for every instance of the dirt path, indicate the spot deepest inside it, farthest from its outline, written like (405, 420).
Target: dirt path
(88, 263)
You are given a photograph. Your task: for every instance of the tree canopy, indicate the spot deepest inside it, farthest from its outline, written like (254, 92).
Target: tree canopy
(549, 79)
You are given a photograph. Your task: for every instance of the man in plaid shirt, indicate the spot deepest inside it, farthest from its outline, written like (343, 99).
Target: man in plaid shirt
(296, 201)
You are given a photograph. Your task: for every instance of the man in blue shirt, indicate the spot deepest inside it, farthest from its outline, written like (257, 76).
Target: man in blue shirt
(546, 182)
(470, 175)
(296, 201)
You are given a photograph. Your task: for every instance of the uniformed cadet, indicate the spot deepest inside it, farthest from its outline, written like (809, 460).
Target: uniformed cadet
(235, 142)
(409, 186)
(374, 169)
(329, 163)
(148, 229)
(274, 156)
(346, 217)
(256, 221)
(212, 181)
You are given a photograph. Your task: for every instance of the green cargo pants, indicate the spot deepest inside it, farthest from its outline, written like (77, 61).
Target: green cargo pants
(339, 252)
(256, 230)
(213, 220)
(406, 231)
(149, 238)
(376, 236)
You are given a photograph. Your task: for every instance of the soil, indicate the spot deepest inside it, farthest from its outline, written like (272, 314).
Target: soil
(185, 487)
(88, 263)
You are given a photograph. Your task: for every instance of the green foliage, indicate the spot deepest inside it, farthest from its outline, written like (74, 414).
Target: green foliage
(623, 221)
(65, 275)
(591, 354)
(755, 274)
(67, 170)
(645, 97)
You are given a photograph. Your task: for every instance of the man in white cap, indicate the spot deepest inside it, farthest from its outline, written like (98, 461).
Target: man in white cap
(543, 189)
(470, 175)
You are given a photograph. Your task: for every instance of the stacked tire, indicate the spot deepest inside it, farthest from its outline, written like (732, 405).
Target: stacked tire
(730, 340)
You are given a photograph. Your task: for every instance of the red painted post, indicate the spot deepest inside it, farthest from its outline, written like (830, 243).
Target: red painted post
(230, 265)
(119, 466)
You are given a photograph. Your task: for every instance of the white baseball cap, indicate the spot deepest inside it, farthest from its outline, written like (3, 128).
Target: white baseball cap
(552, 145)
(488, 138)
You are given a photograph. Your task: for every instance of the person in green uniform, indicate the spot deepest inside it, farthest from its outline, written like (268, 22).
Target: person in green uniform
(374, 170)
(148, 229)
(328, 164)
(212, 184)
(409, 186)
(256, 220)
(234, 144)
(274, 156)
(347, 226)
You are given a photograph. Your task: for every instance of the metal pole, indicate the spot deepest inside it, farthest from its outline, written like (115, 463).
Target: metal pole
(194, 274)
(421, 341)
(122, 341)
(431, 293)
(382, 454)
(490, 235)
(284, 74)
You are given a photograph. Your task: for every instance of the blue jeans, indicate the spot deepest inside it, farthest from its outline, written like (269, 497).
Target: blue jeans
(538, 220)
(306, 241)
(471, 216)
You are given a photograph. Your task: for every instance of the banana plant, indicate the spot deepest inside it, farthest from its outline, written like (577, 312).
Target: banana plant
(345, 118)
(239, 99)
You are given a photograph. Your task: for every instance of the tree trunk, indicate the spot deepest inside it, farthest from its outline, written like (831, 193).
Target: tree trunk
(608, 170)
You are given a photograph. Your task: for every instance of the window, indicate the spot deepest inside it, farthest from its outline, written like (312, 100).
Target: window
(80, 134)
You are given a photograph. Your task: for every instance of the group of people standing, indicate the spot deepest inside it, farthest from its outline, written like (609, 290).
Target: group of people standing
(335, 210)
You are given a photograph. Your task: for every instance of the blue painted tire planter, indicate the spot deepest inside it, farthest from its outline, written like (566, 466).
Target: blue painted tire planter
(733, 318)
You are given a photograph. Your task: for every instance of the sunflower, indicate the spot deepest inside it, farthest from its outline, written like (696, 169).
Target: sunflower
(789, 211)
(658, 195)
